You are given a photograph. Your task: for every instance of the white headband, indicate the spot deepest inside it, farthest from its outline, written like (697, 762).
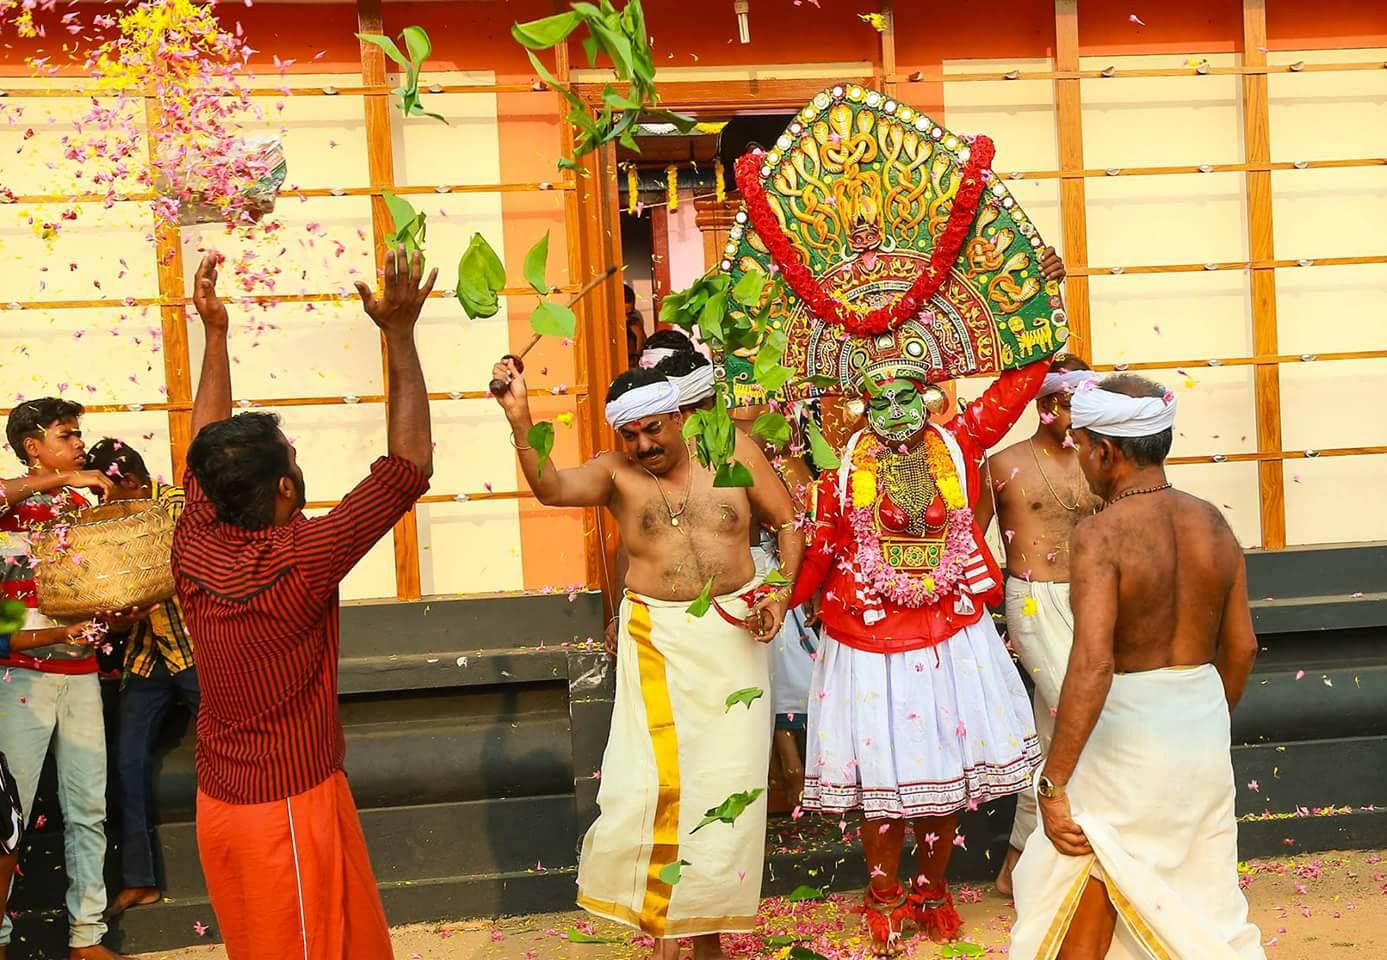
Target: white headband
(1118, 415)
(695, 387)
(648, 401)
(653, 355)
(1069, 380)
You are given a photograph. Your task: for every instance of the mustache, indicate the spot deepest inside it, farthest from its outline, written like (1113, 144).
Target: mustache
(651, 453)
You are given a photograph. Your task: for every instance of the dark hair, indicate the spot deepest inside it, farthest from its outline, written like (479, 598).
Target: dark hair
(109, 452)
(238, 463)
(633, 379)
(1067, 364)
(1143, 451)
(630, 294)
(682, 364)
(32, 418)
(669, 340)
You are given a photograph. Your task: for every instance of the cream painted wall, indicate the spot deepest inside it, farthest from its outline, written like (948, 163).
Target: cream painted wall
(113, 354)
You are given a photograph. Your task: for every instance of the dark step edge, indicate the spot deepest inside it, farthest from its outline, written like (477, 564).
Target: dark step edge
(417, 671)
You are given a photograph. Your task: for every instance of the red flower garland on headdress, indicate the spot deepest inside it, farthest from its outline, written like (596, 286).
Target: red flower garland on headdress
(802, 282)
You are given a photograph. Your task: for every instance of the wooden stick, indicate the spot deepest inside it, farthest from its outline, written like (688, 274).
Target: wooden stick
(498, 386)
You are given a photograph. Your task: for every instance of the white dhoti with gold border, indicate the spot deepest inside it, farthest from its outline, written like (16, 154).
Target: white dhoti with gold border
(675, 751)
(1153, 791)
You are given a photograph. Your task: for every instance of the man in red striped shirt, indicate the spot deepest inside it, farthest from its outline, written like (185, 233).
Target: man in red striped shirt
(278, 834)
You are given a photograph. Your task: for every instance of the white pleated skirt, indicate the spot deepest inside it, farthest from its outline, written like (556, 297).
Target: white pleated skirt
(924, 733)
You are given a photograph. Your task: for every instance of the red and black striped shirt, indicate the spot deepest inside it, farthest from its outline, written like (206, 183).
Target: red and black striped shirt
(263, 605)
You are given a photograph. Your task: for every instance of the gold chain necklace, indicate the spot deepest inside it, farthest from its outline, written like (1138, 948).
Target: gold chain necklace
(1048, 486)
(674, 515)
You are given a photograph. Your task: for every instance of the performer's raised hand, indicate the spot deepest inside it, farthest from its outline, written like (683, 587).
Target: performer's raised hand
(1067, 836)
(1051, 265)
(398, 306)
(514, 399)
(209, 306)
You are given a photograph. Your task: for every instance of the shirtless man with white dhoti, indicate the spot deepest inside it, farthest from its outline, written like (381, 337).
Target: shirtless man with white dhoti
(676, 749)
(1136, 795)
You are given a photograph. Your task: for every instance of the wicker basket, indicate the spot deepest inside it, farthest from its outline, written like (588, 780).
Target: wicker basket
(110, 557)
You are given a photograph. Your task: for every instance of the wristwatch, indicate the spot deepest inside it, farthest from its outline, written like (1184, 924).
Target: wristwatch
(1048, 789)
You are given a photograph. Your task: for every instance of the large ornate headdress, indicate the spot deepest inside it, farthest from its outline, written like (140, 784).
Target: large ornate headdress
(900, 249)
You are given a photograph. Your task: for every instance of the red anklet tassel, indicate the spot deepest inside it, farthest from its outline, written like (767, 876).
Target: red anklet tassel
(885, 914)
(935, 914)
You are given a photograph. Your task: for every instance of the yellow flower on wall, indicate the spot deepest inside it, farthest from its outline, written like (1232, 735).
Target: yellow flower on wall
(864, 488)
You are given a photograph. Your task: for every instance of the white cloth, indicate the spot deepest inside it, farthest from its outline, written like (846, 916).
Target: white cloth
(1042, 640)
(916, 734)
(695, 387)
(792, 652)
(1118, 415)
(1153, 792)
(650, 357)
(648, 401)
(1068, 380)
(675, 751)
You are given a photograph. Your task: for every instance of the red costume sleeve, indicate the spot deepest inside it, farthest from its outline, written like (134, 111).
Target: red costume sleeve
(987, 419)
(824, 548)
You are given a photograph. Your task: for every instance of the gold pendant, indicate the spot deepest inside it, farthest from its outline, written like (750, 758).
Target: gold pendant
(674, 521)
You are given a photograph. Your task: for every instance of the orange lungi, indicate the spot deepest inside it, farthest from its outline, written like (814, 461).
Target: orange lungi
(291, 880)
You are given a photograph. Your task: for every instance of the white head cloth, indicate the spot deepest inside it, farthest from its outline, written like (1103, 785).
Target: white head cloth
(696, 386)
(1118, 415)
(648, 401)
(1067, 380)
(653, 355)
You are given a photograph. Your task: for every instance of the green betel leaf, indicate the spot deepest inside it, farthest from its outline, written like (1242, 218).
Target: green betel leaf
(541, 437)
(13, 615)
(747, 292)
(746, 696)
(478, 302)
(672, 873)
(819, 449)
(783, 940)
(804, 953)
(733, 474)
(821, 380)
(535, 263)
(386, 44)
(802, 894)
(481, 263)
(775, 578)
(546, 32)
(418, 44)
(704, 602)
(551, 319)
(401, 212)
(773, 428)
(577, 936)
(963, 949)
(710, 317)
(730, 809)
(774, 377)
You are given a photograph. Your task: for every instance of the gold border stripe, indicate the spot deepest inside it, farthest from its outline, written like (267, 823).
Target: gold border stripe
(1059, 927)
(659, 719)
(1135, 923)
(682, 927)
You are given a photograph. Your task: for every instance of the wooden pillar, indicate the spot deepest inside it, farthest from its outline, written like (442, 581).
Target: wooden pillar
(1271, 478)
(173, 322)
(659, 256)
(714, 221)
(888, 48)
(380, 163)
(1069, 121)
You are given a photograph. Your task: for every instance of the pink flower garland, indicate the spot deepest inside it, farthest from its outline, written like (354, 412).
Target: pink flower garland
(905, 589)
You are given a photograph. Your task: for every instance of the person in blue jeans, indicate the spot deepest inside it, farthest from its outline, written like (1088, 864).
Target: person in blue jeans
(158, 674)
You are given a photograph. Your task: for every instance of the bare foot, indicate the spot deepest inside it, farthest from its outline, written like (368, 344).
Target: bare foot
(666, 950)
(96, 952)
(708, 947)
(132, 897)
(1004, 876)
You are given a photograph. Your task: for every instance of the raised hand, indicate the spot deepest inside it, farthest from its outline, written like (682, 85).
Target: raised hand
(209, 306)
(1051, 265)
(398, 306)
(515, 400)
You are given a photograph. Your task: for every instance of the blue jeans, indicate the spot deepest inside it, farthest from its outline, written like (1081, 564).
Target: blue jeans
(39, 709)
(144, 703)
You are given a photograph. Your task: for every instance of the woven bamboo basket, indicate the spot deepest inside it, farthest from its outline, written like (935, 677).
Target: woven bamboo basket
(111, 557)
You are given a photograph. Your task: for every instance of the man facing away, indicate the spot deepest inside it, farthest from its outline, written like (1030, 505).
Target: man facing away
(51, 695)
(1040, 495)
(281, 845)
(1136, 796)
(675, 749)
(158, 672)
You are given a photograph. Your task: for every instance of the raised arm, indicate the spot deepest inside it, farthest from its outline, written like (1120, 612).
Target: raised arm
(408, 432)
(590, 485)
(1237, 644)
(213, 400)
(988, 418)
(16, 490)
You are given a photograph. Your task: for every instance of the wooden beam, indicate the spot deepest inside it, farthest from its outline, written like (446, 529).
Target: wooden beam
(1073, 196)
(380, 163)
(1271, 480)
(888, 48)
(659, 255)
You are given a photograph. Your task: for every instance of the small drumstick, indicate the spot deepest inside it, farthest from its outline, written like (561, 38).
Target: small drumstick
(499, 386)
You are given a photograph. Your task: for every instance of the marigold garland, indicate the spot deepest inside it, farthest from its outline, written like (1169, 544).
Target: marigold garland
(932, 275)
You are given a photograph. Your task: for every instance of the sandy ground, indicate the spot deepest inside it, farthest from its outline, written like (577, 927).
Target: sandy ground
(1328, 906)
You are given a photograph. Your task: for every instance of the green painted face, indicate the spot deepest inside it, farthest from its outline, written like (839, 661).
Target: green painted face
(897, 411)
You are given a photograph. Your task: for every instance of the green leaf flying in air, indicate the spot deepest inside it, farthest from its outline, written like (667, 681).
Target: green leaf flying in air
(552, 319)
(746, 696)
(535, 262)
(416, 40)
(734, 473)
(672, 873)
(747, 292)
(819, 448)
(773, 428)
(704, 602)
(803, 893)
(480, 276)
(730, 809)
(409, 224)
(547, 32)
(541, 437)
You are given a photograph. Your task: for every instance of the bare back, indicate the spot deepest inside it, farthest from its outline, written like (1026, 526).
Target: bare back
(1169, 572)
